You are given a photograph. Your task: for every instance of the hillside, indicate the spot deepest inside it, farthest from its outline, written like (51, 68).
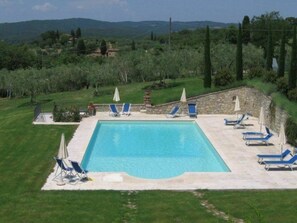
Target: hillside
(31, 30)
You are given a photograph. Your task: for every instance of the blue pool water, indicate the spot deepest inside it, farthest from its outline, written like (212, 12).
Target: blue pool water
(151, 149)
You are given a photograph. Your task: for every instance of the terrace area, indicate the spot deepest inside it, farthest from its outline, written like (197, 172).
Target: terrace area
(245, 171)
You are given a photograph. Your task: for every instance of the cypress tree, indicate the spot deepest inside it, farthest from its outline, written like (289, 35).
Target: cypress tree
(152, 35)
(133, 47)
(246, 33)
(78, 33)
(57, 34)
(72, 33)
(207, 61)
(282, 56)
(269, 51)
(239, 75)
(293, 67)
(103, 47)
(81, 47)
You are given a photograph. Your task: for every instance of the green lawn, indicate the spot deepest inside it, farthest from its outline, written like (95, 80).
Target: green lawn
(279, 99)
(26, 153)
(128, 93)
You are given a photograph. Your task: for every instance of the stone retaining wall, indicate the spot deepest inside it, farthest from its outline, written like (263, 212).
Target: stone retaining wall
(221, 102)
(105, 107)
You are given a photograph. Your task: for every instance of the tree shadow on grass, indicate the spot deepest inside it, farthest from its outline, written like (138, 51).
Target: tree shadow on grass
(159, 85)
(30, 104)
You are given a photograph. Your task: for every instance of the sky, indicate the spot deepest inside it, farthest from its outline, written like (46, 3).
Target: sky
(143, 10)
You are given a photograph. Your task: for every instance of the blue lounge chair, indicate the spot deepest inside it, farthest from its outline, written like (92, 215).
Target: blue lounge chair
(258, 139)
(173, 112)
(282, 163)
(262, 157)
(126, 109)
(236, 121)
(192, 110)
(259, 134)
(79, 171)
(113, 111)
(65, 171)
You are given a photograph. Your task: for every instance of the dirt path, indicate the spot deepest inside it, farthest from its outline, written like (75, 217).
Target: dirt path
(214, 211)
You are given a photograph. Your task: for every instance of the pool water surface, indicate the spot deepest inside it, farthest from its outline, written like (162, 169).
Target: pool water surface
(151, 149)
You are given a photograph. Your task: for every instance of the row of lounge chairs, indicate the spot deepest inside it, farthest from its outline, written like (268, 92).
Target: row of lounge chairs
(113, 110)
(126, 110)
(192, 111)
(256, 137)
(69, 172)
(249, 137)
(269, 160)
(277, 160)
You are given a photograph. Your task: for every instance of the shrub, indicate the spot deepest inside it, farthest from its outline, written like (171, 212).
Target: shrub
(269, 76)
(96, 93)
(282, 85)
(75, 116)
(57, 114)
(255, 72)
(66, 115)
(292, 94)
(223, 78)
(291, 131)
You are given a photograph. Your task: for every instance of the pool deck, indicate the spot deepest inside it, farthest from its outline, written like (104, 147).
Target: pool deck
(245, 171)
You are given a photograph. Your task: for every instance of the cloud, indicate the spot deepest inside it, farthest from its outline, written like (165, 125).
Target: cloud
(44, 8)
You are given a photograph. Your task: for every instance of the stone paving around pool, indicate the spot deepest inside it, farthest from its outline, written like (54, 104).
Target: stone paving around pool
(246, 172)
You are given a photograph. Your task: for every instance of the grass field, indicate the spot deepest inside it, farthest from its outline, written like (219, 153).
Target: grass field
(26, 153)
(132, 93)
(279, 99)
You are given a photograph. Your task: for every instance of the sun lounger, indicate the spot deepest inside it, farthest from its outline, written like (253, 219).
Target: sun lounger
(252, 134)
(65, 171)
(236, 121)
(79, 171)
(282, 163)
(192, 110)
(173, 112)
(263, 157)
(126, 109)
(113, 111)
(258, 139)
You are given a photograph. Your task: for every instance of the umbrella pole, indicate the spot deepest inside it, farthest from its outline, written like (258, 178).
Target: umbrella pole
(60, 181)
(183, 109)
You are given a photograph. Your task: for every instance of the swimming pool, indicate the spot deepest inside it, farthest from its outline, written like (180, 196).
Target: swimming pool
(151, 149)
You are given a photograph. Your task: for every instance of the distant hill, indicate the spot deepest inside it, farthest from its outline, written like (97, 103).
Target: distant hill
(31, 30)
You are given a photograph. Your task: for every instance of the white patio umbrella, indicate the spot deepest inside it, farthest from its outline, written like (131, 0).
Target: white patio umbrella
(183, 100)
(62, 154)
(237, 105)
(183, 97)
(261, 118)
(116, 96)
(282, 137)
